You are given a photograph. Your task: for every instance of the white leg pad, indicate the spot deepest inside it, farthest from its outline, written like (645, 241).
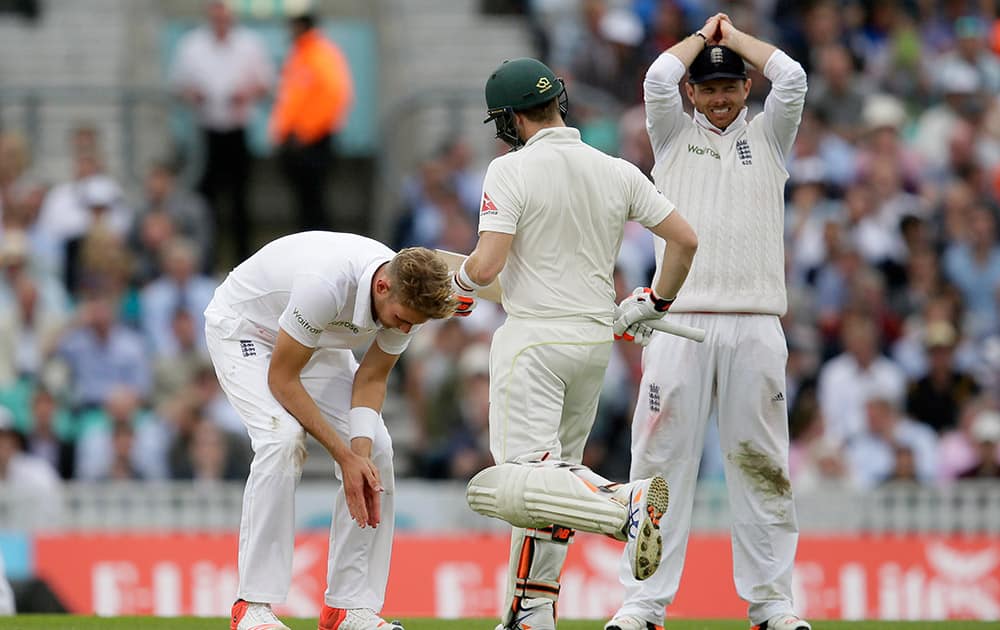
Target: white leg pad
(538, 495)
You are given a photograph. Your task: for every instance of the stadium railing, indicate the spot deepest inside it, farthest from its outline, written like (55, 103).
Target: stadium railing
(967, 507)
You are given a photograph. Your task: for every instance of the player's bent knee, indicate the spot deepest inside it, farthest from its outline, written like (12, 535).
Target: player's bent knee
(283, 450)
(538, 496)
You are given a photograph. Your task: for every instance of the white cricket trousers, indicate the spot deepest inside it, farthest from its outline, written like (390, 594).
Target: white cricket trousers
(545, 382)
(358, 563)
(739, 370)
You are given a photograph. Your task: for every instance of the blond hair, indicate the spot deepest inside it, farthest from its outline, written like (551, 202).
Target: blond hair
(421, 281)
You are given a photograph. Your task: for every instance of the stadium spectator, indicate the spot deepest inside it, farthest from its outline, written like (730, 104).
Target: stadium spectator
(846, 380)
(973, 265)
(956, 449)
(66, 212)
(121, 440)
(314, 98)
(50, 433)
(879, 452)
(837, 92)
(222, 71)
(96, 246)
(168, 202)
(986, 437)
(102, 353)
(173, 371)
(936, 398)
(466, 447)
(33, 312)
(204, 452)
(180, 288)
(30, 482)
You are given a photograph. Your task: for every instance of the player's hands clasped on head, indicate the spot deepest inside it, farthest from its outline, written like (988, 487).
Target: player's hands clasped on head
(465, 297)
(641, 305)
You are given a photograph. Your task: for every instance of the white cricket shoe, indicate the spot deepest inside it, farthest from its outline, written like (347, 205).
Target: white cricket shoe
(354, 619)
(538, 618)
(784, 622)
(647, 502)
(252, 616)
(630, 622)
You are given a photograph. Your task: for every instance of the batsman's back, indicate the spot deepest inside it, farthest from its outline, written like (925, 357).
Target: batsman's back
(573, 202)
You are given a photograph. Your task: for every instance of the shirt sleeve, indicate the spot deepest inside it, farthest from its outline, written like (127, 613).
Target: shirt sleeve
(502, 204)
(394, 341)
(648, 206)
(312, 304)
(665, 115)
(784, 103)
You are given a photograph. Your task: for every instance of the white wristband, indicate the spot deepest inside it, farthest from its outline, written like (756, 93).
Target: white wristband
(465, 281)
(363, 421)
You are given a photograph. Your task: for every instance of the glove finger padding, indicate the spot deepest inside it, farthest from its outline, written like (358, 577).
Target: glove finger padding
(466, 298)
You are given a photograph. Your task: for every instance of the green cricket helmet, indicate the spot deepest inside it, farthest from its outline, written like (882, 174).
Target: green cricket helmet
(517, 85)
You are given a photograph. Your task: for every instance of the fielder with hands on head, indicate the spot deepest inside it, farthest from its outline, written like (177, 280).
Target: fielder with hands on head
(551, 222)
(727, 173)
(280, 330)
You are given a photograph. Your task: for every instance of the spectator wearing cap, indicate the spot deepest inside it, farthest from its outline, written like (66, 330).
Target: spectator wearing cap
(887, 437)
(937, 398)
(985, 435)
(222, 71)
(884, 119)
(101, 233)
(69, 208)
(846, 380)
(609, 58)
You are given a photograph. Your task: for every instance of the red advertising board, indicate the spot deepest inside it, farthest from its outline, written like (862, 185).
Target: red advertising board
(912, 577)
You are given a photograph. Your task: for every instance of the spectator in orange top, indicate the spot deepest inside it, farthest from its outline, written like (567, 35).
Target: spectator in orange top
(314, 98)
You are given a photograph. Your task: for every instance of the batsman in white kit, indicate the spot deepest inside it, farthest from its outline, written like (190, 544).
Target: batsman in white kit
(728, 175)
(280, 331)
(551, 222)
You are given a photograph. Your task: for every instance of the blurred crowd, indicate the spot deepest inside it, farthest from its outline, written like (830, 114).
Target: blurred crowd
(892, 248)
(893, 259)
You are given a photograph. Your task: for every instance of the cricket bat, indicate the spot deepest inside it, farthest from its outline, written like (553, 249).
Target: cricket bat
(454, 261)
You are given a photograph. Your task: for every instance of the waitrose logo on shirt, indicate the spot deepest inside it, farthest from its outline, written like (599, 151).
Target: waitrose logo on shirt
(348, 325)
(693, 148)
(304, 322)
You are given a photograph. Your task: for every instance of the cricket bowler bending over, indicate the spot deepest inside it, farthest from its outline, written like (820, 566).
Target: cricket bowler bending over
(728, 174)
(551, 222)
(280, 330)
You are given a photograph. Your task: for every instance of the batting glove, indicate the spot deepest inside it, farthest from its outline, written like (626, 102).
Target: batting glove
(638, 333)
(465, 297)
(641, 305)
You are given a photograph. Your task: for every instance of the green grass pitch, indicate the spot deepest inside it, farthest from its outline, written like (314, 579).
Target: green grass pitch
(66, 622)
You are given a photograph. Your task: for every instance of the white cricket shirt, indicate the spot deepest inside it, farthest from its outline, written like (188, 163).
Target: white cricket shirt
(219, 69)
(729, 185)
(566, 203)
(316, 286)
